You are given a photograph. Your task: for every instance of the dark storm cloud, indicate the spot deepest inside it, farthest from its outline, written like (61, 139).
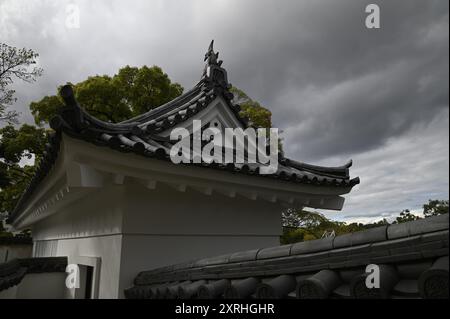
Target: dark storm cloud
(337, 89)
(340, 88)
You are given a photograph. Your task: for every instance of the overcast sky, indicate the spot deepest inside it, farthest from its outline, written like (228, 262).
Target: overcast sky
(337, 89)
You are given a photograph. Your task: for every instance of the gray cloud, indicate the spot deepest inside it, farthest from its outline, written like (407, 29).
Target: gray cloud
(337, 89)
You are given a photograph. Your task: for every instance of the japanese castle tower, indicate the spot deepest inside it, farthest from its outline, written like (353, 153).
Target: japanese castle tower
(107, 195)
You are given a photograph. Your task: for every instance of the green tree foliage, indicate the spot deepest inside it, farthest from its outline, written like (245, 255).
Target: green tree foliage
(146, 88)
(14, 64)
(405, 216)
(258, 115)
(15, 145)
(301, 225)
(435, 207)
(302, 218)
(44, 110)
(130, 92)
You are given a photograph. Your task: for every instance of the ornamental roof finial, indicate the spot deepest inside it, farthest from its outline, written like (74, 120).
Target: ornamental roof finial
(211, 57)
(213, 74)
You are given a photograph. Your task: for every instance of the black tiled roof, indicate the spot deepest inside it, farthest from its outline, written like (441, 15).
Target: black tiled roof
(140, 134)
(15, 240)
(12, 272)
(413, 261)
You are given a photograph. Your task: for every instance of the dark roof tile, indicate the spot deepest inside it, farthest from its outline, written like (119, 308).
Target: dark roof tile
(312, 246)
(388, 277)
(272, 252)
(406, 288)
(342, 241)
(421, 226)
(12, 272)
(372, 235)
(241, 289)
(413, 270)
(319, 285)
(189, 291)
(313, 272)
(248, 255)
(214, 289)
(433, 282)
(276, 288)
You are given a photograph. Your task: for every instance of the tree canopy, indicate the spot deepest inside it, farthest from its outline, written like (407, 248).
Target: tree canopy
(302, 225)
(14, 64)
(435, 207)
(130, 92)
(27, 142)
(258, 115)
(16, 144)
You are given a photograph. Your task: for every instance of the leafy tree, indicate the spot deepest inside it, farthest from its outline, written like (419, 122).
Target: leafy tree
(130, 92)
(101, 98)
(146, 88)
(14, 64)
(15, 145)
(405, 216)
(301, 225)
(302, 218)
(294, 235)
(44, 110)
(259, 115)
(435, 207)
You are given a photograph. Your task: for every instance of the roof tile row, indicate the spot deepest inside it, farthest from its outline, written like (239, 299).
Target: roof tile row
(12, 272)
(330, 267)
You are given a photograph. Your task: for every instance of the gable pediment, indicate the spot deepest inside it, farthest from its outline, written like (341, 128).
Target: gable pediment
(216, 114)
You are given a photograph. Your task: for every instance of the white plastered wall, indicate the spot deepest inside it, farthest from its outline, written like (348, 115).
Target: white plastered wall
(162, 227)
(91, 228)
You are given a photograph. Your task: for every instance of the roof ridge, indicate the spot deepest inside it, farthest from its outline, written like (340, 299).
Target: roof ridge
(214, 82)
(162, 107)
(330, 171)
